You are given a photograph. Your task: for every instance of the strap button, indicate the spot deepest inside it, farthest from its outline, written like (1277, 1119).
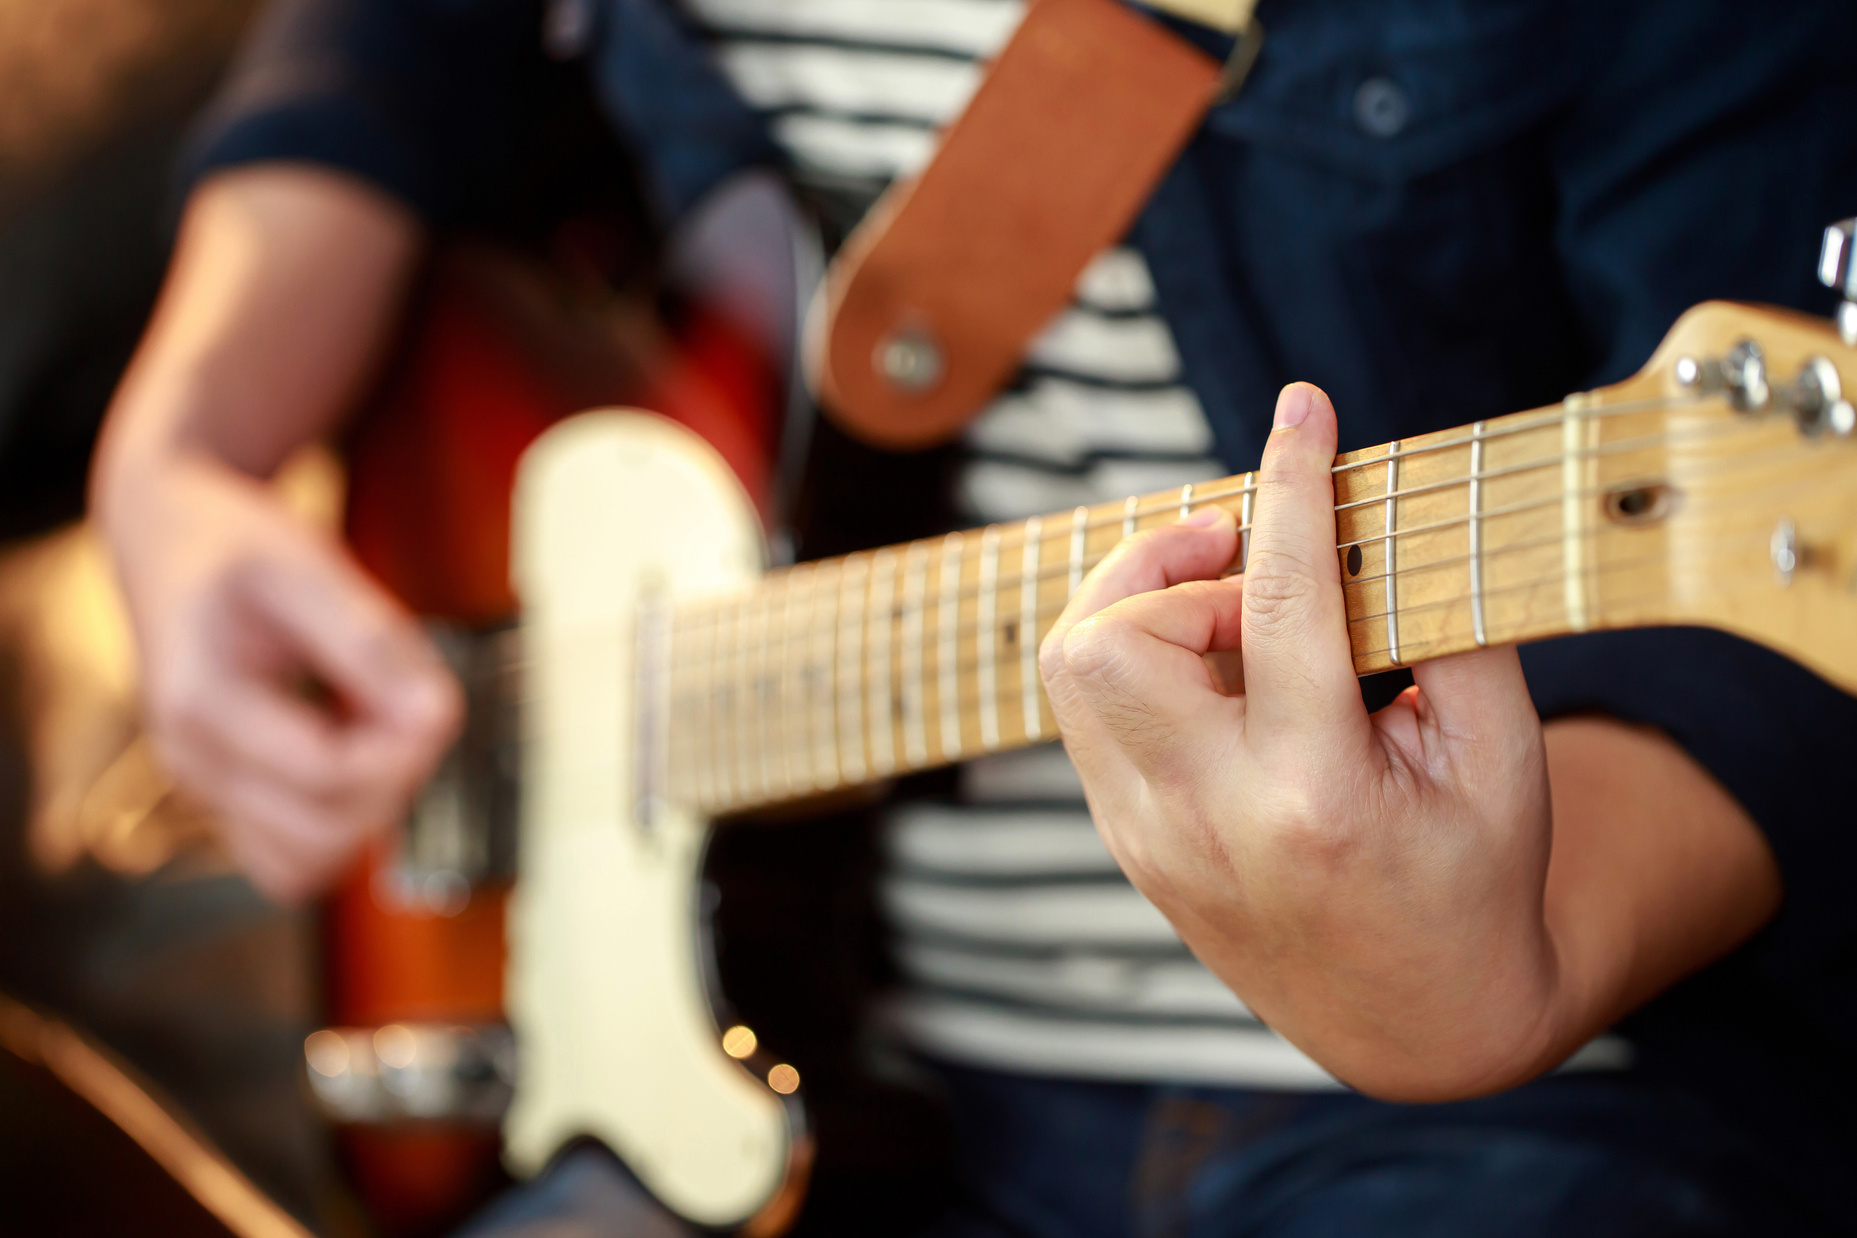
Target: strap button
(1381, 107)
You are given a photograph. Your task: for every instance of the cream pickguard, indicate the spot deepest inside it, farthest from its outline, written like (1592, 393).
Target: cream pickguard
(606, 988)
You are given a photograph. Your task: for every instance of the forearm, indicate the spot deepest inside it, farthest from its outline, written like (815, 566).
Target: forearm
(285, 285)
(1657, 870)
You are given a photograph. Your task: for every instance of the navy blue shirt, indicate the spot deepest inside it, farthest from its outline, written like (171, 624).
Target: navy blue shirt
(1438, 210)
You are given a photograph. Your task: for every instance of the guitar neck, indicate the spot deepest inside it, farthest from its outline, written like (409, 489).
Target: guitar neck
(850, 670)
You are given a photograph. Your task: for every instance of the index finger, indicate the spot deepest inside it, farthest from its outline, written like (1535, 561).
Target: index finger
(357, 638)
(1298, 664)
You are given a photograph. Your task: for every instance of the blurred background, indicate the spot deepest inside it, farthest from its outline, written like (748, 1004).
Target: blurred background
(116, 913)
(159, 1021)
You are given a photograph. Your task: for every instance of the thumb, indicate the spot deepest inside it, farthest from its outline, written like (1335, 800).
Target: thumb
(1478, 698)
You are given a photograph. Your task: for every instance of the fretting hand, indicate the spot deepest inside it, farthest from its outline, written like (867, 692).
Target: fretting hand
(1376, 887)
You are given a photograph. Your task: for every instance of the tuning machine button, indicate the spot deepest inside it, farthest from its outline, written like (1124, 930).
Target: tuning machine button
(1744, 377)
(1817, 399)
(1838, 272)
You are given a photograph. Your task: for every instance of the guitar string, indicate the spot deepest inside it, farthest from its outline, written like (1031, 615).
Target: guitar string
(1009, 583)
(1012, 532)
(1547, 580)
(967, 700)
(789, 786)
(810, 781)
(691, 612)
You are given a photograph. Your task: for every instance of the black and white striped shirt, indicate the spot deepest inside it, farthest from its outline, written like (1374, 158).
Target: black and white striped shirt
(1022, 944)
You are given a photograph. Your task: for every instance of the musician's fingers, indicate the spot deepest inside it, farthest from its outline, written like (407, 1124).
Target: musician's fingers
(288, 846)
(1298, 665)
(1196, 548)
(1139, 670)
(359, 640)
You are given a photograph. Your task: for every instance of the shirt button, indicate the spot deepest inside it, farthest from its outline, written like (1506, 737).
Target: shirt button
(1381, 107)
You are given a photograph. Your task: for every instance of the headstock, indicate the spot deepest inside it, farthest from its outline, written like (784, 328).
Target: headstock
(1748, 443)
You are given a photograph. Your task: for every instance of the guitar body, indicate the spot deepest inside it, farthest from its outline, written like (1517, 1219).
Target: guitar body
(616, 512)
(499, 346)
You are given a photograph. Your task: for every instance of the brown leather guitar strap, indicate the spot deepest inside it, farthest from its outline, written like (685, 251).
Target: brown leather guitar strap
(928, 307)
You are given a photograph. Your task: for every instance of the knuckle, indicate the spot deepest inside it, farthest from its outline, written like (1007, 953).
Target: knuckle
(1051, 656)
(1279, 593)
(1096, 650)
(1306, 828)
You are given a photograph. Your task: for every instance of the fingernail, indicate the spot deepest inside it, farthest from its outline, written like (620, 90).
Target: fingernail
(1292, 407)
(1205, 518)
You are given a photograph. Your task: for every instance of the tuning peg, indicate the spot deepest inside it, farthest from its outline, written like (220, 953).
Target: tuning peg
(1837, 272)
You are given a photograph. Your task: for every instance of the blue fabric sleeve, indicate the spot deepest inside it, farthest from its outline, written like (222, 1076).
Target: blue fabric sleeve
(402, 93)
(450, 105)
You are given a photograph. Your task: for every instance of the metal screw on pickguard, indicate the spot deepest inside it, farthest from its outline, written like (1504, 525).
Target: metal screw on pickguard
(910, 359)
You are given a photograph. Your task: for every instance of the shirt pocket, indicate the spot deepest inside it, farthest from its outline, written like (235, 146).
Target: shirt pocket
(1390, 90)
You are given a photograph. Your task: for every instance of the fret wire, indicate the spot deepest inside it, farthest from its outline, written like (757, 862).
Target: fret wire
(1479, 629)
(729, 717)
(915, 598)
(1622, 408)
(851, 677)
(1130, 510)
(1079, 536)
(1392, 569)
(707, 775)
(764, 621)
(1186, 500)
(879, 616)
(695, 652)
(985, 633)
(741, 692)
(1546, 580)
(1246, 492)
(1487, 515)
(821, 681)
(790, 753)
(1028, 624)
(947, 632)
(1549, 580)
(806, 733)
(1407, 572)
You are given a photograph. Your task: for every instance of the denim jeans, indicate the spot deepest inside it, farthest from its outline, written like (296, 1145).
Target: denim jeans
(1568, 1155)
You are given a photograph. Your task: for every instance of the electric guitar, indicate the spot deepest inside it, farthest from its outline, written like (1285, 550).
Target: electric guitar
(671, 681)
